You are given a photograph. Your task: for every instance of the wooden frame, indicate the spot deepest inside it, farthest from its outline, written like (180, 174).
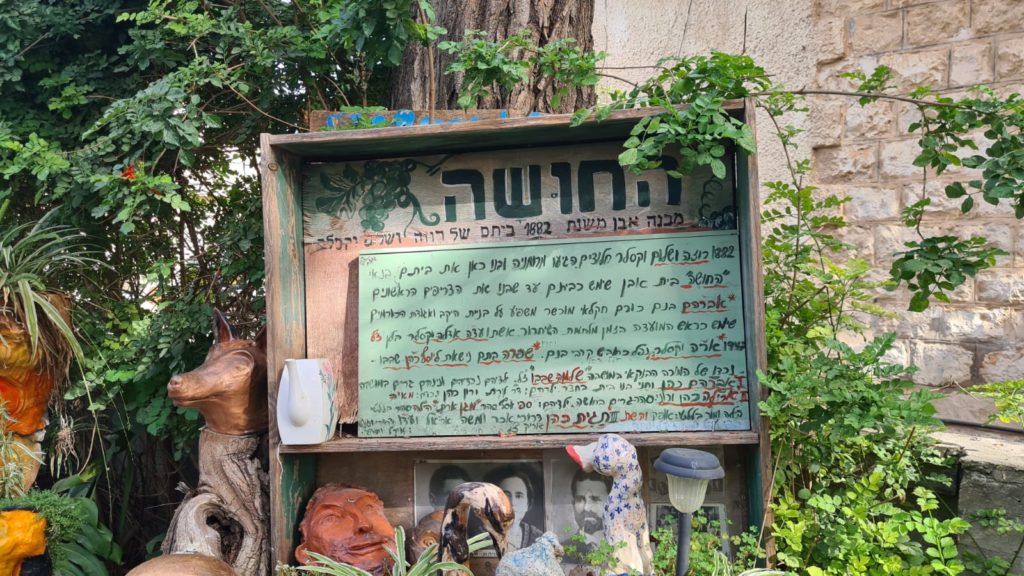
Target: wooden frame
(293, 472)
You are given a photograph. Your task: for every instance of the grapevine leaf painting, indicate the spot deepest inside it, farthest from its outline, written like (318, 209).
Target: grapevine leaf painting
(372, 193)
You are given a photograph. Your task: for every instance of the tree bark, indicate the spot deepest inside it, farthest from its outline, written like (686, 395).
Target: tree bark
(547, 20)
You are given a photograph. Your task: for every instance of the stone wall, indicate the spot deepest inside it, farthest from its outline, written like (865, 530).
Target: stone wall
(866, 153)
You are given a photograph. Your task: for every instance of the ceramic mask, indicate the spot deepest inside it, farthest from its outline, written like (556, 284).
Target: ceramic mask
(347, 524)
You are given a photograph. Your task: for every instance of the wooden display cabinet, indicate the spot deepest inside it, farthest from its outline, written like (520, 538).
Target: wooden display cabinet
(313, 296)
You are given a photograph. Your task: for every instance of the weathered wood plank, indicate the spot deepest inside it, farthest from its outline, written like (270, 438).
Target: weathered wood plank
(328, 120)
(761, 472)
(518, 442)
(291, 479)
(458, 137)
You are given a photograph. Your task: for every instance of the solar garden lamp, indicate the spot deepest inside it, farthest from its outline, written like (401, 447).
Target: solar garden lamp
(688, 474)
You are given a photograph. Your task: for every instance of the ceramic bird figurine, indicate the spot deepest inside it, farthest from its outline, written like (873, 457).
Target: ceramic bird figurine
(542, 558)
(490, 504)
(625, 516)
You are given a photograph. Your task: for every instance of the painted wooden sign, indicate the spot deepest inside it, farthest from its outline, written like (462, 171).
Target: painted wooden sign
(636, 333)
(527, 291)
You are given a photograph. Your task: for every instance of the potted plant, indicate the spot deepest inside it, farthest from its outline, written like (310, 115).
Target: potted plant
(37, 341)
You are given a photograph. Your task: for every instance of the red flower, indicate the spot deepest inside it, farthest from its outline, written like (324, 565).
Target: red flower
(129, 172)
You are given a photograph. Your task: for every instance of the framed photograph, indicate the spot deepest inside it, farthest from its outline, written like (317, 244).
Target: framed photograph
(576, 505)
(522, 481)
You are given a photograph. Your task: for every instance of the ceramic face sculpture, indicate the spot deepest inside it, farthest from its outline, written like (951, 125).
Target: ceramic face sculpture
(347, 524)
(624, 516)
(230, 388)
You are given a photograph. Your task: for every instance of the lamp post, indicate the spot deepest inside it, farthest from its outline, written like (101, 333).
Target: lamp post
(688, 474)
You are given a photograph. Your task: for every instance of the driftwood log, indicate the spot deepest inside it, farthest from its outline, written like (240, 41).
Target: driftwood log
(226, 517)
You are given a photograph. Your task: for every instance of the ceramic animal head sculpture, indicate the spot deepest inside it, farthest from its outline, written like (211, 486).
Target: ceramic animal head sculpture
(426, 533)
(347, 524)
(490, 504)
(625, 516)
(542, 558)
(230, 388)
(22, 543)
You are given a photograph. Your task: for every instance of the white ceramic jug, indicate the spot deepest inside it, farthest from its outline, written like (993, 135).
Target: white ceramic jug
(305, 402)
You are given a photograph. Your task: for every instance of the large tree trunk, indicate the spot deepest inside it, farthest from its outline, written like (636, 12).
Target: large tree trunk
(547, 20)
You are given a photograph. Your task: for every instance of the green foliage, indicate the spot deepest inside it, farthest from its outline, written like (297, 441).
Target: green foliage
(600, 556)
(936, 265)
(426, 565)
(138, 123)
(1009, 399)
(707, 557)
(379, 30)
(486, 65)
(702, 84)
(12, 475)
(34, 260)
(994, 520)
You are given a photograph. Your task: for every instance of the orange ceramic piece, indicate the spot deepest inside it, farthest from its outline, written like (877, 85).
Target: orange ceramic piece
(184, 565)
(22, 535)
(347, 524)
(24, 386)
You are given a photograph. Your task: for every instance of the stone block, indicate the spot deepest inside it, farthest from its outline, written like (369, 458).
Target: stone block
(993, 477)
(830, 39)
(899, 354)
(861, 240)
(840, 8)
(1000, 235)
(943, 206)
(1002, 365)
(869, 203)
(876, 32)
(853, 163)
(1003, 286)
(906, 114)
(889, 240)
(827, 76)
(971, 63)
(826, 121)
(991, 16)
(1010, 57)
(896, 159)
(1018, 246)
(942, 322)
(938, 22)
(875, 120)
(920, 68)
(939, 364)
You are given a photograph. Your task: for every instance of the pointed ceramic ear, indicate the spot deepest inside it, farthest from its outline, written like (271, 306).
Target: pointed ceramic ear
(223, 331)
(261, 339)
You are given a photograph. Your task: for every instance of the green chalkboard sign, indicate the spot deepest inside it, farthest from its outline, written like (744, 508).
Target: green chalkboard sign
(624, 333)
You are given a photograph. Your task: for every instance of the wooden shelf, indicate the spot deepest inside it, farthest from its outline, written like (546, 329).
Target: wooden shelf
(531, 441)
